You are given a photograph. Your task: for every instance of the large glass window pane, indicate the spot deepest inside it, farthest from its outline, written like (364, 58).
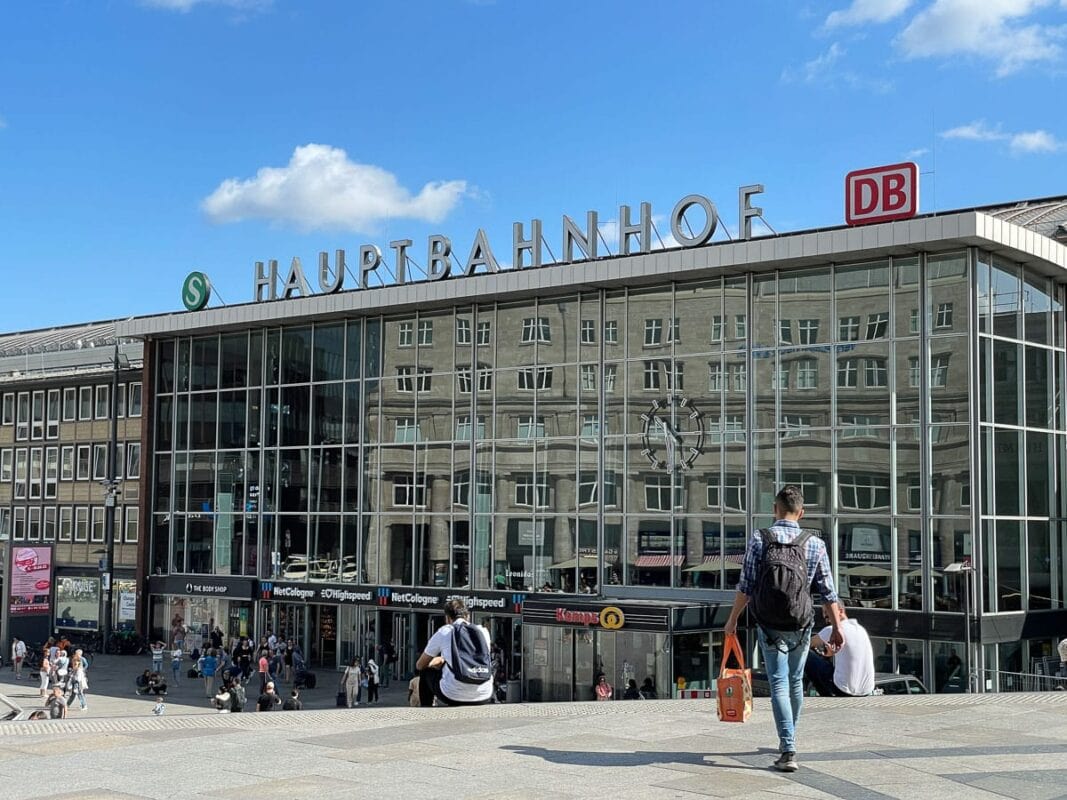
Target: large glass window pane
(806, 377)
(329, 352)
(699, 306)
(864, 564)
(984, 292)
(764, 469)
(1007, 493)
(232, 419)
(296, 355)
(1006, 364)
(557, 331)
(862, 291)
(947, 290)
(767, 329)
(1037, 387)
(202, 412)
(205, 363)
(804, 303)
(1005, 298)
(906, 297)
(862, 384)
(950, 469)
(233, 366)
(295, 419)
(1036, 308)
(1009, 565)
(910, 558)
(948, 379)
(327, 413)
(1039, 554)
(1040, 473)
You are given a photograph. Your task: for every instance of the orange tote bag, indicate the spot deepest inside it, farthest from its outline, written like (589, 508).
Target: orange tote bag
(735, 685)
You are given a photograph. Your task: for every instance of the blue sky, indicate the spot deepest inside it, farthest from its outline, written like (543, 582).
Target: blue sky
(142, 139)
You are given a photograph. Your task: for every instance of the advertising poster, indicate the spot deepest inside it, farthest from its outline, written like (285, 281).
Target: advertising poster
(31, 581)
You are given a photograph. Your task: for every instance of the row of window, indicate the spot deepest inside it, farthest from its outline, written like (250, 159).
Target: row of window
(36, 471)
(539, 329)
(67, 524)
(36, 415)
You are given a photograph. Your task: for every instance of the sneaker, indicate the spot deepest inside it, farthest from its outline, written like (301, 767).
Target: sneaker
(787, 762)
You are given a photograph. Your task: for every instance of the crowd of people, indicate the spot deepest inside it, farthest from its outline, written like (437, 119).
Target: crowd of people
(62, 675)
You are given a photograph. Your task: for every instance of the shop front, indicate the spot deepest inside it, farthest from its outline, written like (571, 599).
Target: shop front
(200, 603)
(568, 643)
(334, 623)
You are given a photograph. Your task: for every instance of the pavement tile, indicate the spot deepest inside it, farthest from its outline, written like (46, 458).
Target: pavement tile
(720, 785)
(933, 790)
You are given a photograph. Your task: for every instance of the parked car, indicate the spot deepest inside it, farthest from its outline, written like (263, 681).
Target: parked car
(884, 683)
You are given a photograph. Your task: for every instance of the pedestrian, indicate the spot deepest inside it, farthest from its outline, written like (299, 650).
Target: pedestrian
(783, 565)
(242, 656)
(287, 661)
(292, 702)
(372, 682)
(350, 682)
(45, 672)
(648, 689)
(264, 667)
(632, 692)
(388, 661)
(176, 664)
(57, 704)
(849, 673)
(455, 668)
(1062, 649)
(268, 700)
(156, 649)
(603, 690)
(78, 682)
(18, 654)
(208, 666)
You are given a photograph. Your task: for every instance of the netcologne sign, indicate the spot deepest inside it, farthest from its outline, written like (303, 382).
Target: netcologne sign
(578, 244)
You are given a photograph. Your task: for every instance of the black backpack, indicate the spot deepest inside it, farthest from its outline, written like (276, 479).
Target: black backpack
(782, 598)
(237, 697)
(471, 662)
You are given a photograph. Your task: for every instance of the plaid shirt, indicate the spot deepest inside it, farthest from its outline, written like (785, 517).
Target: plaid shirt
(785, 530)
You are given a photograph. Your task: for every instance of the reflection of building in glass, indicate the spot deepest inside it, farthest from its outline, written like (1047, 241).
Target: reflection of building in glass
(620, 437)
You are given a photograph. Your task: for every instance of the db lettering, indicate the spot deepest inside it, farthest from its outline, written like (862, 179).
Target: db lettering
(881, 194)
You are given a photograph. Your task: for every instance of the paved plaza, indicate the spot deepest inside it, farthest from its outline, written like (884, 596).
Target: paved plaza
(934, 746)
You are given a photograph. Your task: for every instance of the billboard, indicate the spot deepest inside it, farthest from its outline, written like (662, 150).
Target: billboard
(31, 581)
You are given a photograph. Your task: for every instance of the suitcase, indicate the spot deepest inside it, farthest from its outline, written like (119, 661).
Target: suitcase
(310, 680)
(342, 700)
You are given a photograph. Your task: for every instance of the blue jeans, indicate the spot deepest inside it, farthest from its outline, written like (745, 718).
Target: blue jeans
(784, 653)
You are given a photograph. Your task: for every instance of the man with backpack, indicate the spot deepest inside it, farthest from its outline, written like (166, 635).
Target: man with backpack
(456, 667)
(783, 565)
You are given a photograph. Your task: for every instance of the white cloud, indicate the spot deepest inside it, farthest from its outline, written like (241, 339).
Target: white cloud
(918, 152)
(992, 29)
(3, 123)
(826, 70)
(822, 65)
(862, 11)
(185, 6)
(1020, 143)
(321, 188)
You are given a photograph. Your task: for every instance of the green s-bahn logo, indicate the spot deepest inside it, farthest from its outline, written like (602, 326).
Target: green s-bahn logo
(196, 291)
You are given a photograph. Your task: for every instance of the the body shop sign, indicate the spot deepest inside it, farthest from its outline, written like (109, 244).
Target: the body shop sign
(31, 581)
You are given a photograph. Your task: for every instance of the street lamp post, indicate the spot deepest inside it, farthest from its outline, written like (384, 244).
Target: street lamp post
(110, 503)
(966, 570)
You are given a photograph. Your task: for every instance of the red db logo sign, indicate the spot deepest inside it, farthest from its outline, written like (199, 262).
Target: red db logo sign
(881, 194)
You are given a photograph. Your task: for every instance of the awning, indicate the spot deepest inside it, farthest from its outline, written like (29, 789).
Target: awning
(868, 571)
(715, 563)
(659, 561)
(583, 562)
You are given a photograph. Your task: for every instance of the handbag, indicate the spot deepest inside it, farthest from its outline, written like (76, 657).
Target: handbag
(734, 685)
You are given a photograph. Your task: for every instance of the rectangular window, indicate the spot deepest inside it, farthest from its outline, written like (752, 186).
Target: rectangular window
(463, 380)
(51, 472)
(531, 428)
(864, 492)
(99, 462)
(809, 331)
(714, 493)
(539, 378)
(5, 524)
(37, 432)
(611, 332)
(848, 329)
(70, 404)
(463, 331)
(658, 493)
(98, 524)
(877, 325)
(716, 378)
(22, 469)
(485, 379)
(120, 400)
(409, 490)
(780, 378)
(463, 427)
(33, 529)
(133, 460)
(66, 523)
(676, 378)
(36, 472)
(914, 373)
(610, 373)
(52, 431)
(652, 376)
(591, 426)
(939, 371)
(133, 406)
(588, 331)
(716, 328)
(405, 334)
(531, 490)
(18, 533)
(674, 330)
(913, 321)
(536, 329)
(409, 379)
(22, 418)
(733, 492)
(807, 373)
(103, 401)
(83, 462)
(858, 426)
(740, 326)
(406, 430)
(847, 372)
(875, 372)
(81, 524)
(425, 332)
(133, 524)
(944, 315)
(484, 333)
(785, 331)
(461, 488)
(653, 332)
(85, 402)
(48, 532)
(587, 374)
(738, 377)
(9, 409)
(796, 426)
(7, 465)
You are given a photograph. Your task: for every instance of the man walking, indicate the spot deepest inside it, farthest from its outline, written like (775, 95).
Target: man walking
(781, 568)
(18, 654)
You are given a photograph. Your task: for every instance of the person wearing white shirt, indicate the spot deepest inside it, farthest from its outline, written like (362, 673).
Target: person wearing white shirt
(1063, 657)
(850, 673)
(437, 678)
(18, 653)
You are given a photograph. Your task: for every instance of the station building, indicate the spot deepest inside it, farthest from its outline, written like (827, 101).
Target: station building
(581, 449)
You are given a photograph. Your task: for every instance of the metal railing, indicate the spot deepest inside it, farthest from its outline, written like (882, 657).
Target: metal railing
(1000, 681)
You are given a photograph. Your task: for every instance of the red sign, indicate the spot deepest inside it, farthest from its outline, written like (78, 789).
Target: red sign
(577, 617)
(31, 581)
(882, 194)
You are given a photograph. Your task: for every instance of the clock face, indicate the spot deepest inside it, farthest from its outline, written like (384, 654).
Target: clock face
(673, 433)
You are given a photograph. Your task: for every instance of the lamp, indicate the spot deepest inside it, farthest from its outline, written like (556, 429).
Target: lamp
(966, 569)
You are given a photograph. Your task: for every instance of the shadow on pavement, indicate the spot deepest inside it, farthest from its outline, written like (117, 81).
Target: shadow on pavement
(635, 759)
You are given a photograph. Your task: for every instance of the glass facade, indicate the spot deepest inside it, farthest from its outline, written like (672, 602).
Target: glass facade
(600, 441)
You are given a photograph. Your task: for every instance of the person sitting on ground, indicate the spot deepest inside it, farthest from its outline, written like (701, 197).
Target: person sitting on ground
(57, 704)
(632, 692)
(142, 682)
(438, 674)
(223, 699)
(850, 673)
(156, 685)
(648, 689)
(292, 702)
